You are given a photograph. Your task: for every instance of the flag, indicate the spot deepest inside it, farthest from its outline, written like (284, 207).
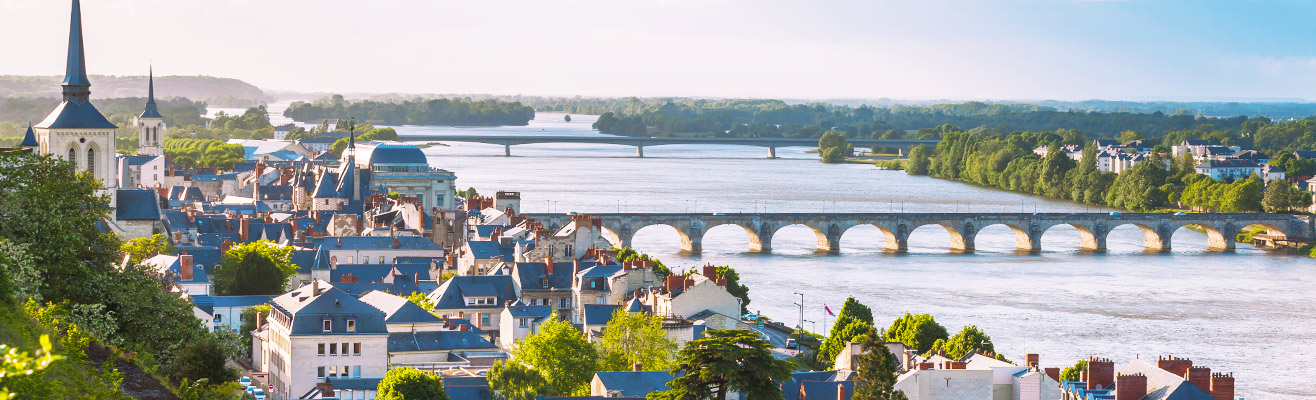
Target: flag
(829, 310)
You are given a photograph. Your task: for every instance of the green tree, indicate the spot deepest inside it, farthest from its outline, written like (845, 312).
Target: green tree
(20, 277)
(1281, 195)
(1243, 195)
(1138, 188)
(725, 361)
(422, 300)
(249, 321)
(1129, 136)
(203, 358)
(918, 160)
(1074, 373)
(876, 371)
(202, 389)
(20, 363)
(639, 338)
(919, 332)
(833, 147)
(410, 383)
(337, 148)
(734, 286)
(260, 267)
(140, 249)
(562, 355)
(567, 118)
(852, 313)
(966, 340)
(512, 380)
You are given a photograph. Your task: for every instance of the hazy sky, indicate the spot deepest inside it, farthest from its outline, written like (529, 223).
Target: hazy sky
(998, 49)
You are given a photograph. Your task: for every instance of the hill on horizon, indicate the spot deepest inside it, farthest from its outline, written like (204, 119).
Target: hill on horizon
(214, 91)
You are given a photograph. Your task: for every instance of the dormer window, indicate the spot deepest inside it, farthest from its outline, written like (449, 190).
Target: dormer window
(351, 324)
(327, 324)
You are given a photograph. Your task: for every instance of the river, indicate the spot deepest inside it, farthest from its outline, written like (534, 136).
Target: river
(1249, 312)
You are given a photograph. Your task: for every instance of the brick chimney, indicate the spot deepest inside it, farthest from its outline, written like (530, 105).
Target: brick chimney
(259, 320)
(575, 268)
(710, 272)
(925, 365)
(1031, 360)
(225, 245)
(958, 365)
(840, 392)
(1054, 373)
(244, 229)
(1200, 377)
(548, 263)
(1101, 373)
(1177, 366)
(1222, 386)
(638, 367)
(326, 389)
(1130, 387)
(397, 244)
(349, 278)
(185, 267)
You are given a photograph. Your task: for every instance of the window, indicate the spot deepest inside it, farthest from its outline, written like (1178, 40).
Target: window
(321, 349)
(219, 317)
(73, 156)
(91, 161)
(319, 372)
(333, 371)
(345, 353)
(351, 324)
(356, 349)
(356, 371)
(525, 322)
(333, 349)
(328, 324)
(470, 301)
(349, 260)
(484, 320)
(365, 260)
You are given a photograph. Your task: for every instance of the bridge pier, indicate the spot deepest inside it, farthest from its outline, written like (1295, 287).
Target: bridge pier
(772, 151)
(761, 243)
(639, 151)
(507, 150)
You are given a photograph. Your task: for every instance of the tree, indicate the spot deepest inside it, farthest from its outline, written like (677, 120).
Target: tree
(1074, 373)
(337, 148)
(918, 160)
(204, 358)
(724, 361)
(561, 355)
(1138, 188)
(1129, 136)
(512, 380)
(202, 389)
(140, 249)
(919, 332)
(1281, 195)
(255, 268)
(630, 339)
(833, 147)
(410, 383)
(1243, 195)
(18, 363)
(422, 300)
(567, 118)
(876, 371)
(967, 340)
(734, 286)
(852, 313)
(249, 321)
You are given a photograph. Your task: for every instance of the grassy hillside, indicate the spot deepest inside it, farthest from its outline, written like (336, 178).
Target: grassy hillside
(219, 92)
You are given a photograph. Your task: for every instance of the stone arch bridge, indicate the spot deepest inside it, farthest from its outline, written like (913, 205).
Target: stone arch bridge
(1028, 228)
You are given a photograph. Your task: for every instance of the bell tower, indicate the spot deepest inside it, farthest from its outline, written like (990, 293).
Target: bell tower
(150, 125)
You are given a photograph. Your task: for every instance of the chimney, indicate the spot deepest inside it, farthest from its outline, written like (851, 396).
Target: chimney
(258, 320)
(1054, 373)
(340, 241)
(360, 226)
(1222, 386)
(1032, 360)
(548, 263)
(244, 230)
(225, 245)
(315, 287)
(575, 268)
(349, 278)
(638, 367)
(1101, 373)
(959, 365)
(710, 272)
(1130, 387)
(1200, 377)
(1177, 366)
(925, 365)
(397, 244)
(461, 327)
(722, 282)
(185, 267)
(840, 392)
(333, 262)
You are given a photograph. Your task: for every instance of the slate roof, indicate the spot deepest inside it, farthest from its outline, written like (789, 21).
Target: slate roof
(1301, 154)
(137, 160)
(600, 271)
(536, 312)
(468, 392)
(438, 341)
(485, 250)
(274, 193)
(308, 310)
(398, 310)
(1228, 164)
(168, 263)
(451, 295)
(29, 138)
(791, 389)
(635, 383)
(531, 276)
(69, 115)
(375, 273)
(136, 205)
(824, 389)
(599, 314)
(355, 383)
(241, 301)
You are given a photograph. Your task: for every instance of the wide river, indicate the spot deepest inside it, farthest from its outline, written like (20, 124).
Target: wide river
(1249, 312)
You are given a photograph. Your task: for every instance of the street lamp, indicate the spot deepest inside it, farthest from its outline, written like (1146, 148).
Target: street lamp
(801, 304)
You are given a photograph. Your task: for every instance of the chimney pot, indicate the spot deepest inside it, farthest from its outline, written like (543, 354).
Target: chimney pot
(185, 267)
(840, 392)
(1222, 386)
(1100, 373)
(639, 367)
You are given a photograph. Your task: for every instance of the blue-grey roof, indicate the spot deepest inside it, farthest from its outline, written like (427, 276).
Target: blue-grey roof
(308, 310)
(600, 271)
(451, 295)
(393, 153)
(397, 309)
(486, 230)
(75, 73)
(468, 392)
(465, 381)
(137, 160)
(438, 340)
(241, 301)
(599, 314)
(375, 273)
(274, 193)
(29, 138)
(485, 250)
(400, 287)
(536, 312)
(136, 205)
(355, 383)
(635, 383)
(825, 389)
(71, 115)
(791, 388)
(532, 275)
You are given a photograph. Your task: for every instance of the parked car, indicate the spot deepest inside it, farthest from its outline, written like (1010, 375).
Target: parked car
(790, 344)
(1115, 213)
(260, 394)
(251, 389)
(245, 382)
(1181, 213)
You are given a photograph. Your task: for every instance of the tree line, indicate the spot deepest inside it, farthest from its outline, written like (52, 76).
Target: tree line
(443, 111)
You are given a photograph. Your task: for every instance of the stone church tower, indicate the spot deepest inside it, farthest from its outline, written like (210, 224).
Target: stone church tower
(75, 130)
(150, 124)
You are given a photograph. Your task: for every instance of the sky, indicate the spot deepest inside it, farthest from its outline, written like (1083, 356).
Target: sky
(1199, 50)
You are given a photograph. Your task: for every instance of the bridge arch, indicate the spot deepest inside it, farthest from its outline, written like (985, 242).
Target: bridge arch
(1155, 236)
(689, 242)
(889, 239)
(756, 242)
(1026, 236)
(1091, 237)
(961, 237)
(827, 237)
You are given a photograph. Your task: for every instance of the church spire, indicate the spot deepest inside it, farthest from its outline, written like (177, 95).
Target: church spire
(30, 138)
(76, 85)
(151, 111)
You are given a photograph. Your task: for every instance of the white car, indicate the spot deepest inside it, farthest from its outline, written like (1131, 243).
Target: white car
(260, 394)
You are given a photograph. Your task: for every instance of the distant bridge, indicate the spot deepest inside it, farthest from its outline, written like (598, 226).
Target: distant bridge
(641, 142)
(1028, 228)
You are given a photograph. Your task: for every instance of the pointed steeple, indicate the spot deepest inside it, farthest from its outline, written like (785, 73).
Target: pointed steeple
(151, 111)
(76, 85)
(30, 138)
